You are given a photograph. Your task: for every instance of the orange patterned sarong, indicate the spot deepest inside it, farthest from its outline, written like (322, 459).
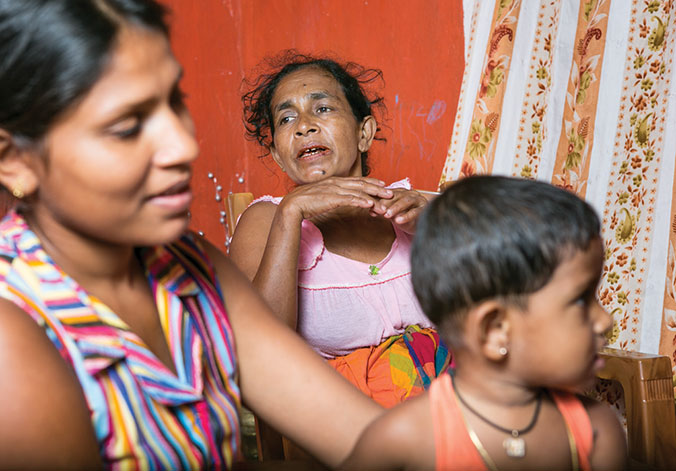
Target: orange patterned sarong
(401, 367)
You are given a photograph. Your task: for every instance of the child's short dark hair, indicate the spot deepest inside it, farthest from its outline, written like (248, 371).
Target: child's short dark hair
(490, 237)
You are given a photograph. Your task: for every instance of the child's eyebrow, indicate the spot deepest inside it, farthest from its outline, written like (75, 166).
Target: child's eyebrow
(590, 286)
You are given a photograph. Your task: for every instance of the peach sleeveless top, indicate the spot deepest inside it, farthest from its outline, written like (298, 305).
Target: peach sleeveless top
(456, 451)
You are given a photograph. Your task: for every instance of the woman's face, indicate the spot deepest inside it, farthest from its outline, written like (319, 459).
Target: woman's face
(316, 135)
(116, 168)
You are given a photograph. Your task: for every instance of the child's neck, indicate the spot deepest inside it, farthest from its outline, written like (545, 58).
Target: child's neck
(487, 383)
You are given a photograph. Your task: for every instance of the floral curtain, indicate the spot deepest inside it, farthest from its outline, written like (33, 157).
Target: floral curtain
(580, 93)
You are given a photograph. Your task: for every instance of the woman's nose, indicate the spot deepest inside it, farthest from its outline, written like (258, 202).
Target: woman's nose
(305, 125)
(177, 144)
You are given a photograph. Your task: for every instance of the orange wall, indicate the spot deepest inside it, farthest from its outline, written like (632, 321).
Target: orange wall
(417, 44)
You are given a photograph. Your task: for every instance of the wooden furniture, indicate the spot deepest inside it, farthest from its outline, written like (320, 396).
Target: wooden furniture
(647, 384)
(271, 445)
(236, 203)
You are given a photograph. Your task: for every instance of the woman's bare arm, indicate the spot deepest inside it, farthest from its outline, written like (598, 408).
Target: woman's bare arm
(399, 439)
(266, 243)
(265, 247)
(284, 381)
(45, 422)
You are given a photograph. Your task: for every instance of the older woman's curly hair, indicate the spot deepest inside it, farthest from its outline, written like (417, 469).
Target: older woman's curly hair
(352, 78)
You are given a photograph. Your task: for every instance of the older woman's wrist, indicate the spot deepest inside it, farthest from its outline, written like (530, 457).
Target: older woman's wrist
(289, 213)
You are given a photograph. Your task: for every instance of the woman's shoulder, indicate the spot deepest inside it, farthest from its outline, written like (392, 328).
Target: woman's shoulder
(266, 199)
(25, 347)
(260, 212)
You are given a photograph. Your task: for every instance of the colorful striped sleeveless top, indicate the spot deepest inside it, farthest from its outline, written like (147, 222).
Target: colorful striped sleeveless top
(144, 416)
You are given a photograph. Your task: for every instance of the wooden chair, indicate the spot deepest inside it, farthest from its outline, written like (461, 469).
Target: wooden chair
(236, 203)
(271, 446)
(268, 442)
(647, 384)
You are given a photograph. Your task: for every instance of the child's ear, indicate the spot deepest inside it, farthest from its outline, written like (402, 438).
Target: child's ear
(16, 172)
(493, 329)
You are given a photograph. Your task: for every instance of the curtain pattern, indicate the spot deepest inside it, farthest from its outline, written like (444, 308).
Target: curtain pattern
(579, 93)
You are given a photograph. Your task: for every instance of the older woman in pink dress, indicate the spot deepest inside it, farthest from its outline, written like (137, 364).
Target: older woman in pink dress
(332, 256)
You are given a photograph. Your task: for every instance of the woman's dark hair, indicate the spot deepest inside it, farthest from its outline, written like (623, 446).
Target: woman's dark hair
(491, 237)
(53, 51)
(352, 78)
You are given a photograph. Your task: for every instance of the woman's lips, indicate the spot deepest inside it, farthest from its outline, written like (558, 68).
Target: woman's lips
(176, 199)
(311, 151)
(178, 202)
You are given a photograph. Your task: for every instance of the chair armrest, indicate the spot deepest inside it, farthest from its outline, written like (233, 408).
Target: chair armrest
(647, 383)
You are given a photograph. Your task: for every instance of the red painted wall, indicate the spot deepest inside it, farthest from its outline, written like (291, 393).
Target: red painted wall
(417, 44)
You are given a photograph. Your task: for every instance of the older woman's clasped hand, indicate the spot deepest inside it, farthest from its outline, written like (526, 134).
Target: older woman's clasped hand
(314, 201)
(403, 208)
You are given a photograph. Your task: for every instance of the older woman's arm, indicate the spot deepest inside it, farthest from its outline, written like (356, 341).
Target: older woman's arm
(284, 381)
(266, 243)
(265, 247)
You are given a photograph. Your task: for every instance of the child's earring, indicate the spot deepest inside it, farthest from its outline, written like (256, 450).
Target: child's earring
(17, 191)
(502, 351)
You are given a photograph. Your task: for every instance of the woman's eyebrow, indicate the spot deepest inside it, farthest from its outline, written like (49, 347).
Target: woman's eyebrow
(320, 95)
(317, 95)
(133, 105)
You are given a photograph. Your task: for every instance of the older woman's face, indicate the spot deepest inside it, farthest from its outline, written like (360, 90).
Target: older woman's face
(316, 134)
(118, 166)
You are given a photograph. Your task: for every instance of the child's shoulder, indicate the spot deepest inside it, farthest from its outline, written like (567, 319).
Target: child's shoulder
(600, 413)
(609, 449)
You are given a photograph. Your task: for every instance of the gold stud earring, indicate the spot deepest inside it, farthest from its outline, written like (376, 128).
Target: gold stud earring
(17, 192)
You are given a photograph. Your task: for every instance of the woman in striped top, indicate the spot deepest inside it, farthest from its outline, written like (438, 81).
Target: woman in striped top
(124, 342)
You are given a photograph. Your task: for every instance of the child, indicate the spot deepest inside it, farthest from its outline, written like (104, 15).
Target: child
(507, 269)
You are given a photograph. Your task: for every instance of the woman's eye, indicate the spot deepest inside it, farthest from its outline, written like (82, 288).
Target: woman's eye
(323, 109)
(284, 119)
(177, 98)
(127, 128)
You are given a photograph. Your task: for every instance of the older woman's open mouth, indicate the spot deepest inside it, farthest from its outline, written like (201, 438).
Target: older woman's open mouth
(311, 151)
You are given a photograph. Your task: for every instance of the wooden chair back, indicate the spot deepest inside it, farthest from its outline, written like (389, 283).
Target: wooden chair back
(236, 204)
(271, 446)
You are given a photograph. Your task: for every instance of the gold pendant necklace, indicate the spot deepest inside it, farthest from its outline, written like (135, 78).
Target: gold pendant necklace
(514, 445)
